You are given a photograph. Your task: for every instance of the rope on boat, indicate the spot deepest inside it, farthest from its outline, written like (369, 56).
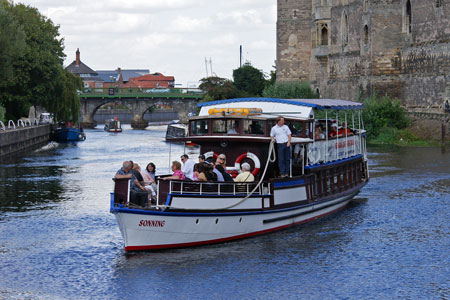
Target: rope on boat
(270, 158)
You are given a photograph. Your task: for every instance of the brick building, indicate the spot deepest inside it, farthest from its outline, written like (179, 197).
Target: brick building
(348, 48)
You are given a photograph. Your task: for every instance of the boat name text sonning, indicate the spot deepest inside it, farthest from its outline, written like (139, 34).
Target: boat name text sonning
(152, 223)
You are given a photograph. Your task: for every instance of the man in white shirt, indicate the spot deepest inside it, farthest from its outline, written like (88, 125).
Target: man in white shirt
(282, 135)
(188, 166)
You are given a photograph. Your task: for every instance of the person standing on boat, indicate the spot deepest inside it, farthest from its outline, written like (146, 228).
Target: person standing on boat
(188, 166)
(282, 135)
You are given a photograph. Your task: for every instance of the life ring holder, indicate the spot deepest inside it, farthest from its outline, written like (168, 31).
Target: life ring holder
(252, 156)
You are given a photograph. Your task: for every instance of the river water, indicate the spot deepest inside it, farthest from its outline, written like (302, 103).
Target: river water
(59, 241)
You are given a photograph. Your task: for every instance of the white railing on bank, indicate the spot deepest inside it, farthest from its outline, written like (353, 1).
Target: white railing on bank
(9, 124)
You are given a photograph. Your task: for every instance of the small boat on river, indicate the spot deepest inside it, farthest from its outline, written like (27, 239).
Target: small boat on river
(175, 131)
(326, 171)
(67, 132)
(113, 125)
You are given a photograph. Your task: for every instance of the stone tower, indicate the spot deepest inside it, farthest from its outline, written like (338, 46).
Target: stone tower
(293, 39)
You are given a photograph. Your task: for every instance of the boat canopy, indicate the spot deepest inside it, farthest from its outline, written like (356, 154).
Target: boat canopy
(296, 108)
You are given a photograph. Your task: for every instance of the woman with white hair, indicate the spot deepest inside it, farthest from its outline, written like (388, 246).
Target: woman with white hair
(245, 176)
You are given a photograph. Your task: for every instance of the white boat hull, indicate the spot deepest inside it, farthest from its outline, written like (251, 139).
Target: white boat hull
(158, 230)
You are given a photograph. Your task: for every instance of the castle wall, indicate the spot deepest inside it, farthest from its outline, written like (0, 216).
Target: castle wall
(388, 56)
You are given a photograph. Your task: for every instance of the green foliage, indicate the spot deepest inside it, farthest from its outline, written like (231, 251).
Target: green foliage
(249, 79)
(400, 137)
(290, 90)
(218, 88)
(382, 113)
(2, 113)
(39, 77)
(12, 41)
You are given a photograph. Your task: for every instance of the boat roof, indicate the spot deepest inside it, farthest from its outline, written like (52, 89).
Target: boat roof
(336, 104)
(295, 108)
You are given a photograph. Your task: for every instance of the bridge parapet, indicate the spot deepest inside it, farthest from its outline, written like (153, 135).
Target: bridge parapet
(115, 92)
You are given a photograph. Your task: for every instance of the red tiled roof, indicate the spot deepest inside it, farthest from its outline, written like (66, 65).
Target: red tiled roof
(151, 81)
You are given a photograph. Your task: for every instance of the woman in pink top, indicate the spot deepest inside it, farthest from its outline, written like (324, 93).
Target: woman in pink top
(176, 169)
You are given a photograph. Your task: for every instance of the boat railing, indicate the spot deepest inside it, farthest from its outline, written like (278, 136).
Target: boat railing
(215, 188)
(323, 151)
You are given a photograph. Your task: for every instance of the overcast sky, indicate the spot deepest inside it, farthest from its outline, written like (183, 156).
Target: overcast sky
(168, 36)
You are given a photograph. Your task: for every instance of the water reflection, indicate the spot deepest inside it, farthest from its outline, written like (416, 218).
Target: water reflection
(393, 243)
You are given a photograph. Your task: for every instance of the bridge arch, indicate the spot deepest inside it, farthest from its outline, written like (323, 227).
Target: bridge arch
(137, 106)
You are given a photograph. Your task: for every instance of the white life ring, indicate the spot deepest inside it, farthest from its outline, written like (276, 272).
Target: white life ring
(313, 155)
(252, 156)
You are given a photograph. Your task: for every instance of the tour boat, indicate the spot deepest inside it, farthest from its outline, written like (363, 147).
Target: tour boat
(325, 174)
(112, 125)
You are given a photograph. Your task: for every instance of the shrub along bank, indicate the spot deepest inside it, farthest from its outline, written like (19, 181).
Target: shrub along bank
(386, 122)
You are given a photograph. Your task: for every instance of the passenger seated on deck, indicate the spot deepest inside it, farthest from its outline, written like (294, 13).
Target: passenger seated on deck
(218, 175)
(199, 172)
(319, 135)
(125, 171)
(139, 187)
(245, 176)
(177, 173)
(210, 172)
(226, 176)
(334, 131)
(344, 130)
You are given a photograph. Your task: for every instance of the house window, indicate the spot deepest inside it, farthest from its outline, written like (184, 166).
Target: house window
(438, 3)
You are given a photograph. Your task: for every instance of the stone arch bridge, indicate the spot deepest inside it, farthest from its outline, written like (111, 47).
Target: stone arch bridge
(138, 105)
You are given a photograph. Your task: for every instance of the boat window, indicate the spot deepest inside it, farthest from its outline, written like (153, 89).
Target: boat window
(297, 128)
(225, 126)
(254, 127)
(199, 127)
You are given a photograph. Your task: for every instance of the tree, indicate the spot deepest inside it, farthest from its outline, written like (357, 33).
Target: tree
(12, 43)
(249, 79)
(39, 75)
(218, 88)
(290, 90)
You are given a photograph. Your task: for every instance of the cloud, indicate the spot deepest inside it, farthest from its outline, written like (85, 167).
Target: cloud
(168, 36)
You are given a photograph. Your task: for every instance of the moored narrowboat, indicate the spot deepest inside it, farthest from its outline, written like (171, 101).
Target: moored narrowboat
(327, 168)
(68, 132)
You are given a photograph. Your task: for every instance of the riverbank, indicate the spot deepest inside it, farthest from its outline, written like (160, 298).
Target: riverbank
(420, 133)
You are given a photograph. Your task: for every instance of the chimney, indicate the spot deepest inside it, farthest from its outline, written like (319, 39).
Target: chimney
(77, 57)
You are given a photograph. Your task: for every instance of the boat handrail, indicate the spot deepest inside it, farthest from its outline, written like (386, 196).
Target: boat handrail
(20, 123)
(216, 188)
(270, 158)
(3, 126)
